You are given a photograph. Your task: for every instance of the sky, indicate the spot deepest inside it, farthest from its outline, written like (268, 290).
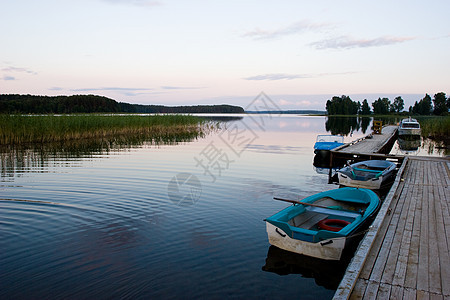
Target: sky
(173, 52)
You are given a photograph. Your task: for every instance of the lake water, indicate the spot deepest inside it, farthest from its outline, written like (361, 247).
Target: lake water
(163, 221)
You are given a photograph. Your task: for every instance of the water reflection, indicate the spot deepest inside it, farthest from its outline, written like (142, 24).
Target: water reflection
(325, 273)
(409, 143)
(347, 125)
(322, 160)
(24, 158)
(437, 148)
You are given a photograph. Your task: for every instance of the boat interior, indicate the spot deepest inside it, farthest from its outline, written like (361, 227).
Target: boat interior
(366, 167)
(330, 209)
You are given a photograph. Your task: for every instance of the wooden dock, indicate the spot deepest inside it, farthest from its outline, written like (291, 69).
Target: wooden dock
(406, 252)
(372, 146)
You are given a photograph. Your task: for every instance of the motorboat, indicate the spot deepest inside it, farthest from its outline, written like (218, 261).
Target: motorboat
(409, 127)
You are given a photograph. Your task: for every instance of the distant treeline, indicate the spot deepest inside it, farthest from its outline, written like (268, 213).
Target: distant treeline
(31, 104)
(343, 105)
(294, 112)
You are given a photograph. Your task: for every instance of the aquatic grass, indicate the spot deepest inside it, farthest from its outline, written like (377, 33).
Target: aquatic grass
(436, 127)
(22, 129)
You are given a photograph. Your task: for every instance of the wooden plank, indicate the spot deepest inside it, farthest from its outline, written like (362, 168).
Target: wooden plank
(423, 295)
(409, 293)
(384, 291)
(371, 290)
(396, 293)
(405, 244)
(447, 169)
(436, 297)
(413, 255)
(359, 289)
(433, 267)
(389, 252)
(381, 236)
(442, 245)
(422, 274)
(445, 209)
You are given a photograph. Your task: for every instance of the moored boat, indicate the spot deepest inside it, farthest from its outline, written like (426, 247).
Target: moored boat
(369, 174)
(328, 142)
(324, 224)
(409, 127)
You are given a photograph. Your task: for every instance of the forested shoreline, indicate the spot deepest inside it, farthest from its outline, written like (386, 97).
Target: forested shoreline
(33, 104)
(343, 105)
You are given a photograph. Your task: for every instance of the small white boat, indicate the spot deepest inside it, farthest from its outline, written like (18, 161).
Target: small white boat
(369, 174)
(324, 224)
(409, 127)
(328, 142)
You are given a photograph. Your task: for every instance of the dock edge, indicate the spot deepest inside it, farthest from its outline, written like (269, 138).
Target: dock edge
(348, 282)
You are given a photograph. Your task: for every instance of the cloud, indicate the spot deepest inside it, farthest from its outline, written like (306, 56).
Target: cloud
(7, 78)
(121, 90)
(260, 34)
(12, 69)
(181, 87)
(147, 3)
(346, 42)
(56, 88)
(277, 76)
(283, 76)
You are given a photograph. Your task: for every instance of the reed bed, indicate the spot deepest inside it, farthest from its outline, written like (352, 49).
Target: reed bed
(436, 127)
(25, 129)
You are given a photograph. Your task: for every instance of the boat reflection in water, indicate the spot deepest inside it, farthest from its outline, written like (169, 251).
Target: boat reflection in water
(321, 164)
(409, 143)
(325, 273)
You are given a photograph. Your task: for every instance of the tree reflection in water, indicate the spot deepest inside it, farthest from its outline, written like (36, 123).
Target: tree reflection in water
(346, 125)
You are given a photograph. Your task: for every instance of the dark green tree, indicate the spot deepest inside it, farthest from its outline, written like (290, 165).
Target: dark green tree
(341, 106)
(365, 109)
(381, 106)
(440, 106)
(423, 107)
(398, 105)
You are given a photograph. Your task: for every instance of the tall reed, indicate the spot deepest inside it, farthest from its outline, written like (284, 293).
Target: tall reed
(21, 129)
(436, 127)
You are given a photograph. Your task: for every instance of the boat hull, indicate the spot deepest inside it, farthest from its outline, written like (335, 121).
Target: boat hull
(330, 249)
(371, 184)
(409, 131)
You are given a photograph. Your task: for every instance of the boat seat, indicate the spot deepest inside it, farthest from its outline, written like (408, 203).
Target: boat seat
(307, 220)
(335, 212)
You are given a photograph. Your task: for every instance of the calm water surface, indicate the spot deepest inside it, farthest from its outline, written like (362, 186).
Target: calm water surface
(163, 221)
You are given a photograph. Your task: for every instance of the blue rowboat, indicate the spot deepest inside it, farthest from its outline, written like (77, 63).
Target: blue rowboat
(327, 142)
(324, 224)
(369, 174)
